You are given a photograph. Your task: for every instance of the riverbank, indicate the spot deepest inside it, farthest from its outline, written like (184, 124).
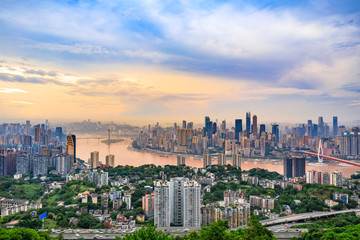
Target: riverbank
(116, 140)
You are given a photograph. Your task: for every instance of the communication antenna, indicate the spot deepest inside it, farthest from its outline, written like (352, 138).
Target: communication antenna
(108, 142)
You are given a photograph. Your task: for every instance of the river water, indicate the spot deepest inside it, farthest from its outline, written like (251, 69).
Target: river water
(124, 156)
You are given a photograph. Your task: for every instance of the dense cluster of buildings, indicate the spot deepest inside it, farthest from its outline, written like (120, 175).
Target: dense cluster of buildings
(11, 206)
(28, 149)
(323, 178)
(253, 139)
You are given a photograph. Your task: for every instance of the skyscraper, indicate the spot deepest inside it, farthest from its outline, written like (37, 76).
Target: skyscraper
(275, 132)
(184, 124)
(177, 202)
(180, 160)
(221, 159)
(236, 159)
(223, 126)
(238, 128)
(254, 126)
(27, 127)
(294, 166)
(209, 128)
(191, 204)
(162, 208)
(262, 128)
(63, 163)
(71, 147)
(207, 120)
(206, 160)
(321, 126)
(37, 133)
(110, 160)
(59, 133)
(309, 128)
(335, 126)
(40, 164)
(248, 121)
(94, 159)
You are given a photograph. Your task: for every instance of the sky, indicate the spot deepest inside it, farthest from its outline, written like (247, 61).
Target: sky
(164, 61)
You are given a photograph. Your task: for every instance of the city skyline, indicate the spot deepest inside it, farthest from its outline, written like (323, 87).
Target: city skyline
(140, 62)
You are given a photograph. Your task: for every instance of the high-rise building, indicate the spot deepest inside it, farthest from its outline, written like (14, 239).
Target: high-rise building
(254, 126)
(71, 147)
(262, 128)
(94, 159)
(236, 216)
(294, 166)
(184, 124)
(40, 164)
(37, 133)
(180, 160)
(27, 127)
(63, 163)
(321, 126)
(317, 177)
(23, 165)
(336, 178)
(275, 132)
(335, 126)
(162, 209)
(248, 121)
(110, 160)
(221, 159)
(309, 128)
(59, 133)
(148, 204)
(177, 202)
(190, 125)
(100, 177)
(210, 129)
(314, 130)
(238, 128)
(349, 144)
(236, 159)
(206, 160)
(207, 120)
(191, 204)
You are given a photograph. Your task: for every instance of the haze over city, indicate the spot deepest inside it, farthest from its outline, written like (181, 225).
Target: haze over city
(164, 61)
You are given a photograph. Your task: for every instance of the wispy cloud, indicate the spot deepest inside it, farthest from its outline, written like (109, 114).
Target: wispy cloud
(11, 90)
(21, 102)
(263, 50)
(75, 48)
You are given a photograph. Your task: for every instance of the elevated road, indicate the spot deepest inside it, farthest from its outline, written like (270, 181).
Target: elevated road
(303, 216)
(332, 158)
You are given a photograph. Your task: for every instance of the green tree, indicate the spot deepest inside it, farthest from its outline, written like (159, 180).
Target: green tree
(216, 231)
(255, 230)
(87, 221)
(148, 233)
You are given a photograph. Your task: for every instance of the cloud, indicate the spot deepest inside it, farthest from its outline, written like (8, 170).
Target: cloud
(21, 102)
(75, 48)
(11, 90)
(37, 72)
(17, 78)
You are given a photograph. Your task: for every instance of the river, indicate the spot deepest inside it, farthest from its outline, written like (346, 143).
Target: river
(124, 156)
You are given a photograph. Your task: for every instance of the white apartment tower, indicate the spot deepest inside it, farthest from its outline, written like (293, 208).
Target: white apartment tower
(177, 202)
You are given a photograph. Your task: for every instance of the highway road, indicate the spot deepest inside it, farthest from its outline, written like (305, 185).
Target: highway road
(303, 216)
(282, 232)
